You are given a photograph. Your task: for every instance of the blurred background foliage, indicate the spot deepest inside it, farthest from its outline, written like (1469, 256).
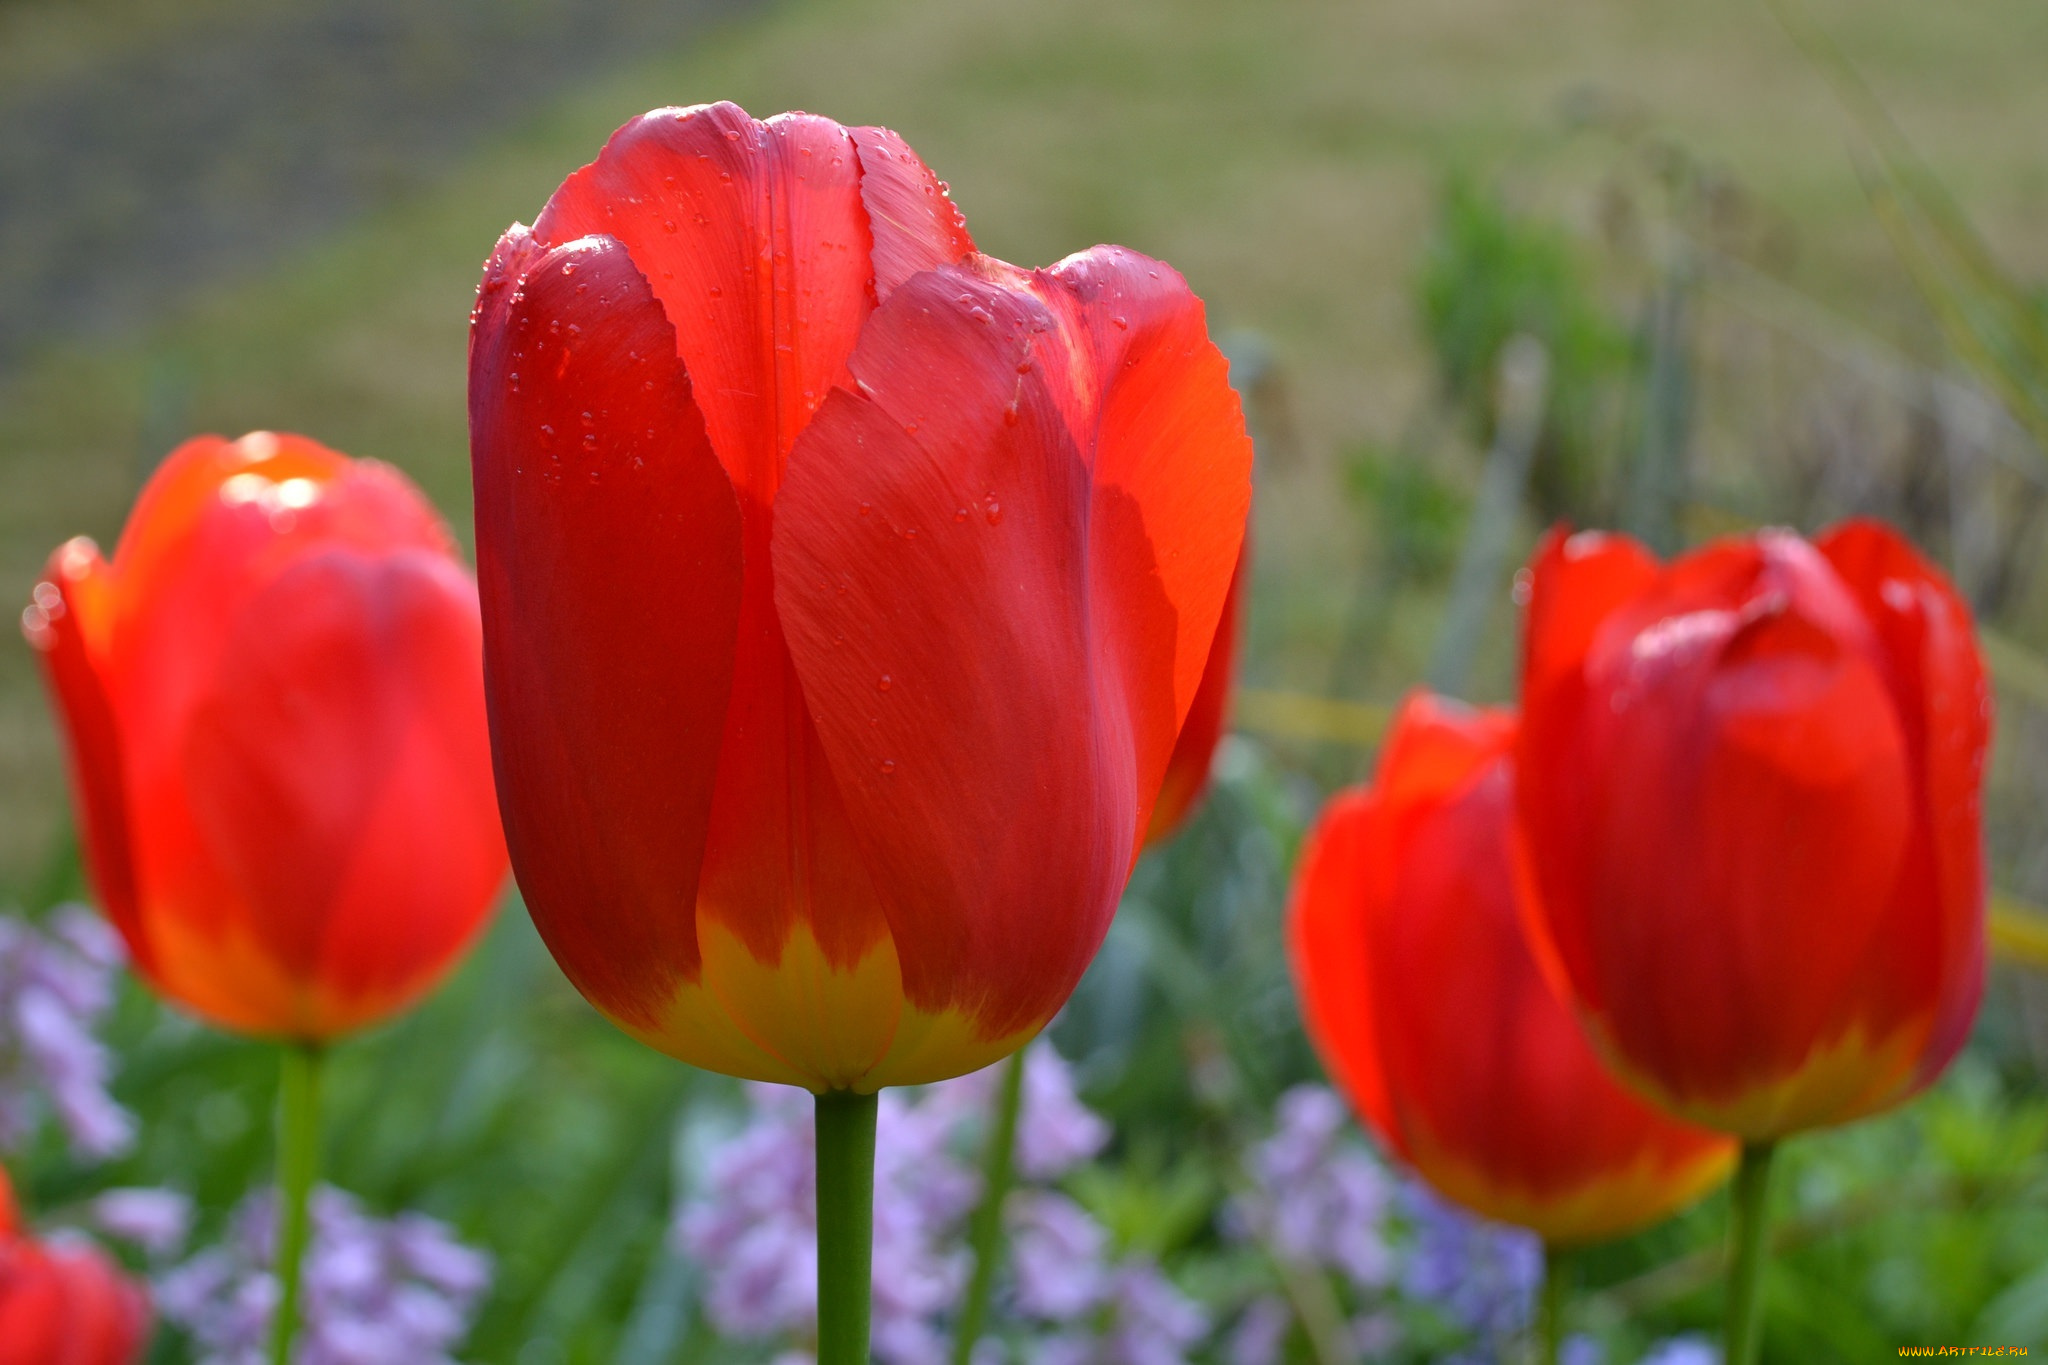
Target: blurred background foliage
(1776, 272)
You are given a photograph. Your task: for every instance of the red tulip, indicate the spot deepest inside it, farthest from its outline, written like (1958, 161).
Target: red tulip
(64, 1305)
(273, 699)
(844, 594)
(1187, 772)
(1426, 1004)
(1750, 793)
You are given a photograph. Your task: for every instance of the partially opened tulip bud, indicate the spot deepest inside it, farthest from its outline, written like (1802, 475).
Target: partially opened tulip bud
(273, 697)
(845, 592)
(273, 702)
(1750, 787)
(64, 1305)
(1426, 1004)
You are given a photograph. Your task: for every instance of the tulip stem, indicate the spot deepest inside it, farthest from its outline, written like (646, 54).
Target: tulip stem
(1746, 1266)
(846, 1225)
(1557, 1283)
(298, 1162)
(985, 1234)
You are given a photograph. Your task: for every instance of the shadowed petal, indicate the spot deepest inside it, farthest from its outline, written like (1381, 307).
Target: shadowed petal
(609, 563)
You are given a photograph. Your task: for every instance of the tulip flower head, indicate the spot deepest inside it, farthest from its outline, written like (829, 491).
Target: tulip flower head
(64, 1303)
(845, 592)
(1428, 1006)
(273, 702)
(1749, 784)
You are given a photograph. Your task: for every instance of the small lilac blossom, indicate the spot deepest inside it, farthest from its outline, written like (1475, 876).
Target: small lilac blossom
(1056, 1132)
(1483, 1275)
(1145, 1321)
(372, 1290)
(753, 1225)
(1689, 1350)
(1260, 1333)
(1058, 1256)
(1580, 1349)
(1318, 1198)
(55, 983)
(157, 1221)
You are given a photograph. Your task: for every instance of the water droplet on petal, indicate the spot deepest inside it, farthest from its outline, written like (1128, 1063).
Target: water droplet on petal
(887, 766)
(994, 513)
(884, 683)
(1120, 322)
(960, 515)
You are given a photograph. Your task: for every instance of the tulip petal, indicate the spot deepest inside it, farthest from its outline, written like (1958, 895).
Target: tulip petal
(1344, 854)
(1943, 699)
(66, 623)
(954, 558)
(624, 531)
(755, 238)
(914, 222)
(1194, 752)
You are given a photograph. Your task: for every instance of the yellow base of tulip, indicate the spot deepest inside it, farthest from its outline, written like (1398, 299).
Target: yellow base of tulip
(1614, 1204)
(801, 1020)
(1837, 1082)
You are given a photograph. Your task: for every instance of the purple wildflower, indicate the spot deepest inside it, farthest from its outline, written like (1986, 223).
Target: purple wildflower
(373, 1290)
(753, 1225)
(155, 1220)
(1261, 1332)
(1683, 1351)
(55, 983)
(1058, 1256)
(1483, 1275)
(1318, 1198)
(1145, 1321)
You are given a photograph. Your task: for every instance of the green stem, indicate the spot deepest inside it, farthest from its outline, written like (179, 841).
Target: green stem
(985, 1233)
(846, 1225)
(1746, 1266)
(298, 1162)
(1557, 1283)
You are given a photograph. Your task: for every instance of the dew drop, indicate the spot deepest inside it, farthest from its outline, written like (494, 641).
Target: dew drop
(590, 443)
(994, 512)
(865, 509)
(888, 765)
(583, 288)
(574, 330)
(513, 378)
(568, 267)
(1011, 416)
(589, 419)
(1120, 322)
(910, 533)
(668, 225)
(884, 683)
(960, 515)
(546, 430)
(716, 292)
